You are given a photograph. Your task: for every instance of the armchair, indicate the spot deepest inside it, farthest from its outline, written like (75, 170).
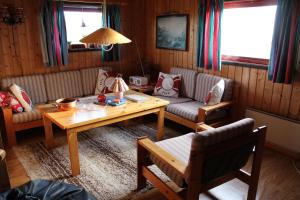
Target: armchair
(198, 162)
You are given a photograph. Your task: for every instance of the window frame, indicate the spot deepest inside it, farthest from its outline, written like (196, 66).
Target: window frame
(85, 7)
(245, 4)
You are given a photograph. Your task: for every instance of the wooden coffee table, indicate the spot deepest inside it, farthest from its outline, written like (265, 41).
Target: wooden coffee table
(79, 120)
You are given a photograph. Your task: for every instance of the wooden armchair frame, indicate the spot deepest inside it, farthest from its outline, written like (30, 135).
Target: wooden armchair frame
(145, 147)
(202, 114)
(12, 128)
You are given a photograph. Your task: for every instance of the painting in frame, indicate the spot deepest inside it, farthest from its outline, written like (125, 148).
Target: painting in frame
(172, 31)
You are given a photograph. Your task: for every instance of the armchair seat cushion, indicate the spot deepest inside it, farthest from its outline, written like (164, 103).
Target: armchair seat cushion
(180, 148)
(24, 117)
(174, 100)
(189, 110)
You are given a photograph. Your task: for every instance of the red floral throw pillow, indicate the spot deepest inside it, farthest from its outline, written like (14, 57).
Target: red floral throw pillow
(168, 85)
(7, 99)
(3, 98)
(14, 104)
(104, 81)
(22, 97)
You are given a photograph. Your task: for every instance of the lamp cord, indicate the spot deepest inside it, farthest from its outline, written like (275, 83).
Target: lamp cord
(139, 57)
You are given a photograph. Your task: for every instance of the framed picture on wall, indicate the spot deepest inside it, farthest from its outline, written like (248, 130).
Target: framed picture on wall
(172, 32)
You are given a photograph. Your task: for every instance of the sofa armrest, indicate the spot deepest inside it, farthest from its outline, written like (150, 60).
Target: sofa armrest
(202, 111)
(2, 155)
(9, 127)
(163, 155)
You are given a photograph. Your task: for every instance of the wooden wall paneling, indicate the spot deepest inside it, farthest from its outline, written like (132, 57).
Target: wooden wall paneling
(276, 97)
(285, 100)
(238, 73)
(224, 71)
(294, 111)
(267, 98)
(242, 102)
(252, 87)
(259, 91)
(31, 36)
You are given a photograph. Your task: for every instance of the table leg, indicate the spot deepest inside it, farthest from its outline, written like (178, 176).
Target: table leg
(160, 124)
(49, 140)
(73, 151)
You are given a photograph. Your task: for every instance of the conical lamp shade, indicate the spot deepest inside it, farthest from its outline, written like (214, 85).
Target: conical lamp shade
(105, 36)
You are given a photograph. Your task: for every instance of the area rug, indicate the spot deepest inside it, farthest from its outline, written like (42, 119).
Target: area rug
(107, 160)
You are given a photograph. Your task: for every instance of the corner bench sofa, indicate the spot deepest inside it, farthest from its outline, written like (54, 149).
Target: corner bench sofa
(189, 109)
(44, 89)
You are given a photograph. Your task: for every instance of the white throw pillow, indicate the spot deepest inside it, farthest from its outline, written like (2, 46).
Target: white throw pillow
(168, 85)
(215, 94)
(22, 97)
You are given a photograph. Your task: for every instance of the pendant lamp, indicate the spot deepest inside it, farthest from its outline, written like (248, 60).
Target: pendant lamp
(105, 36)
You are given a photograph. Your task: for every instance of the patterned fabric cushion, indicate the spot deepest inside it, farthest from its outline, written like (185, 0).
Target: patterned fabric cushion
(104, 81)
(63, 84)
(173, 100)
(205, 82)
(26, 116)
(167, 85)
(189, 110)
(89, 79)
(3, 98)
(22, 97)
(14, 104)
(188, 80)
(180, 148)
(34, 85)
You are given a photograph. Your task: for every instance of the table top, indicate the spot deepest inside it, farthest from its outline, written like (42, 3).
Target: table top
(87, 113)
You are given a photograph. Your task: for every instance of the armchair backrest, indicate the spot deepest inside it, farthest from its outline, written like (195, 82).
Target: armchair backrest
(205, 82)
(217, 152)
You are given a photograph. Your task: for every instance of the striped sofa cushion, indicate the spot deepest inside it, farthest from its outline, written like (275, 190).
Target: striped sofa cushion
(189, 110)
(89, 79)
(188, 80)
(204, 83)
(180, 148)
(174, 100)
(24, 117)
(63, 84)
(34, 85)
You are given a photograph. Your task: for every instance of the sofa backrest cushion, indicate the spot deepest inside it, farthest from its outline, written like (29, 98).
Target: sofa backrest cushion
(63, 84)
(89, 79)
(205, 82)
(188, 78)
(34, 85)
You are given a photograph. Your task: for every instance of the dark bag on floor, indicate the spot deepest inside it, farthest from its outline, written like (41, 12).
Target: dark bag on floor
(50, 190)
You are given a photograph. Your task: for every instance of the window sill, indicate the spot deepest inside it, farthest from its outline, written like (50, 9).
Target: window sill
(83, 49)
(244, 64)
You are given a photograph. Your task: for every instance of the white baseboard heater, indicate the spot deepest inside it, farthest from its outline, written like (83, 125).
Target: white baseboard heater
(283, 134)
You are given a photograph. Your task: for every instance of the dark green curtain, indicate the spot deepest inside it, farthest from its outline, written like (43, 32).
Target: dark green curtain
(53, 33)
(285, 51)
(113, 21)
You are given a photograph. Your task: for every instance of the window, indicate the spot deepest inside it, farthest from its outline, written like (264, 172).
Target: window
(81, 20)
(247, 32)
